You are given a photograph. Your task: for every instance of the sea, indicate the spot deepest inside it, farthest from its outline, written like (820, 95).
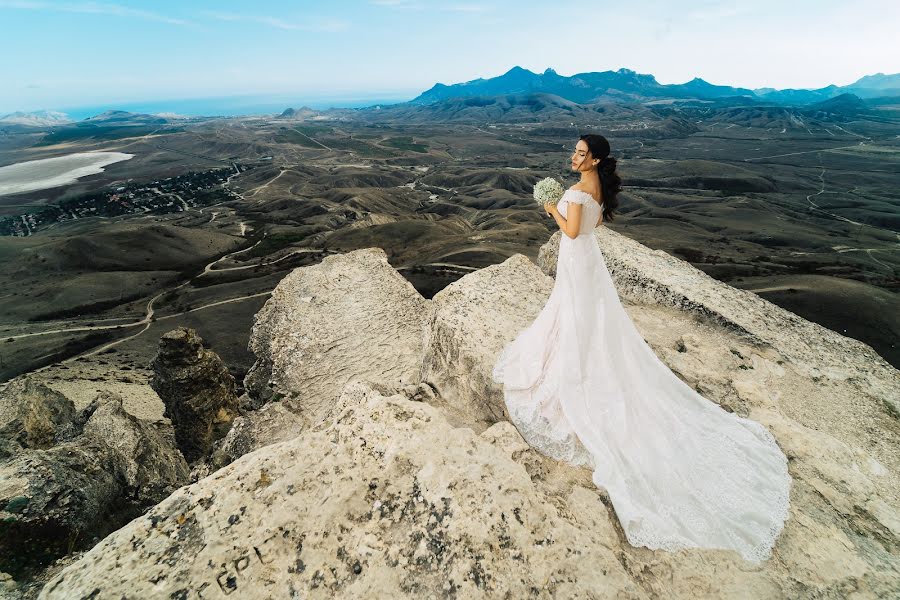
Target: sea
(236, 106)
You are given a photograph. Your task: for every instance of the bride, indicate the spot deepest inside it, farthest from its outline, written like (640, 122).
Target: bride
(582, 386)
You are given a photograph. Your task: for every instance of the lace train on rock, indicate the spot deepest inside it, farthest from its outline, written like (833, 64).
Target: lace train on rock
(582, 386)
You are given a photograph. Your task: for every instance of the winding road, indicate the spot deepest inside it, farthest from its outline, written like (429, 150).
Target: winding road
(148, 318)
(841, 249)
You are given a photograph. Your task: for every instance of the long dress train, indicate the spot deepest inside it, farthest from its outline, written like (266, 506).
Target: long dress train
(583, 386)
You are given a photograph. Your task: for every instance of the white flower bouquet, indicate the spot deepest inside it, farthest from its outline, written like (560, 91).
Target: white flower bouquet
(548, 191)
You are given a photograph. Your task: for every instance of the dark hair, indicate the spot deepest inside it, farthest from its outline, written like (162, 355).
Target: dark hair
(610, 182)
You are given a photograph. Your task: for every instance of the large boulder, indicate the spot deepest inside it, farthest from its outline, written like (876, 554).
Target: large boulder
(147, 465)
(32, 416)
(197, 390)
(352, 315)
(61, 498)
(472, 319)
(272, 423)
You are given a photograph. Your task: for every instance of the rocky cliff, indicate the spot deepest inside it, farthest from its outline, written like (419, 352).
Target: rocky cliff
(378, 460)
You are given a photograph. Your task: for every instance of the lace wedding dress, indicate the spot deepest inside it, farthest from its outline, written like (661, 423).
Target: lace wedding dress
(583, 386)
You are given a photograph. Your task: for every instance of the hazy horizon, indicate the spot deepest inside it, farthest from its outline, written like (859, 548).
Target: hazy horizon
(78, 54)
(215, 106)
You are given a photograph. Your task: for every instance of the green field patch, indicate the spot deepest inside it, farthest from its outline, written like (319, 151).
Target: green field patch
(75, 134)
(31, 353)
(276, 241)
(312, 130)
(86, 309)
(292, 136)
(889, 152)
(358, 146)
(406, 143)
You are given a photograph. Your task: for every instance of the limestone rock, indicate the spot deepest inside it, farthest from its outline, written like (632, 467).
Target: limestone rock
(33, 416)
(53, 498)
(275, 422)
(147, 464)
(505, 436)
(197, 390)
(272, 423)
(57, 499)
(472, 319)
(403, 517)
(352, 315)
(368, 504)
(8, 588)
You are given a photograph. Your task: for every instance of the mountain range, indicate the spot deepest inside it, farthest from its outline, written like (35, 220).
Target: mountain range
(623, 86)
(630, 86)
(38, 118)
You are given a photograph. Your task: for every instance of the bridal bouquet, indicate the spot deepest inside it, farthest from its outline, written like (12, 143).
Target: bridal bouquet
(548, 190)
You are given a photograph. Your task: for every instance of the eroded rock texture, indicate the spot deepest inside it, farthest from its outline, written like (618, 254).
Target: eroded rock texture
(352, 315)
(197, 390)
(32, 416)
(272, 423)
(471, 320)
(56, 499)
(404, 515)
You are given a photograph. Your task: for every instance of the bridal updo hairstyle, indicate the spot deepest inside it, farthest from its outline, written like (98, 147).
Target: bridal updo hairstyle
(610, 182)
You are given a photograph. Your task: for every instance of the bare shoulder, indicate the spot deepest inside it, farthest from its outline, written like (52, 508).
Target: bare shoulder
(595, 194)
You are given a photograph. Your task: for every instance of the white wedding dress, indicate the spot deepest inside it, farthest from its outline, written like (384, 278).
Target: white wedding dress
(583, 386)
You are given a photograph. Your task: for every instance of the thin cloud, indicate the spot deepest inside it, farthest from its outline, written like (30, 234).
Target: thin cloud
(279, 23)
(467, 8)
(94, 8)
(717, 12)
(416, 5)
(413, 4)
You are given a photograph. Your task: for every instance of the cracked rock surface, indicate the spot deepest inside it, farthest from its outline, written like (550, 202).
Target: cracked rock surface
(401, 515)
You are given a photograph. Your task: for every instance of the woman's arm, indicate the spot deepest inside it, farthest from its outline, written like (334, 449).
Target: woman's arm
(569, 226)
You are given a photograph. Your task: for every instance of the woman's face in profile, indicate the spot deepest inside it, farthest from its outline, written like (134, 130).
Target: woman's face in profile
(581, 158)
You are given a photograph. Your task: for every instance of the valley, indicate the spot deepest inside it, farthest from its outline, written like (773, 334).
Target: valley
(798, 206)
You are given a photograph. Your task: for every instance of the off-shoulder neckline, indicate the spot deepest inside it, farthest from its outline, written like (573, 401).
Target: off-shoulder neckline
(586, 194)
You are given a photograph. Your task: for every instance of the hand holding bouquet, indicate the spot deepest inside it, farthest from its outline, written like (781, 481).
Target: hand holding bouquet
(548, 191)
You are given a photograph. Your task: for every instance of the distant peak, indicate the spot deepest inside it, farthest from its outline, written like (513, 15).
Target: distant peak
(699, 82)
(550, 71)
(517, 70)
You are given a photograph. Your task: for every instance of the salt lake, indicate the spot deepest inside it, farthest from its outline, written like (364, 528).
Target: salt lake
(53, 172)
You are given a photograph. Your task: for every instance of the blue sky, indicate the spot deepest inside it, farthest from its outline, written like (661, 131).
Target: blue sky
(62, 54)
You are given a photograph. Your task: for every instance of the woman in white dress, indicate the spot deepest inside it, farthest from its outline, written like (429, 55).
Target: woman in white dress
(583, 386)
